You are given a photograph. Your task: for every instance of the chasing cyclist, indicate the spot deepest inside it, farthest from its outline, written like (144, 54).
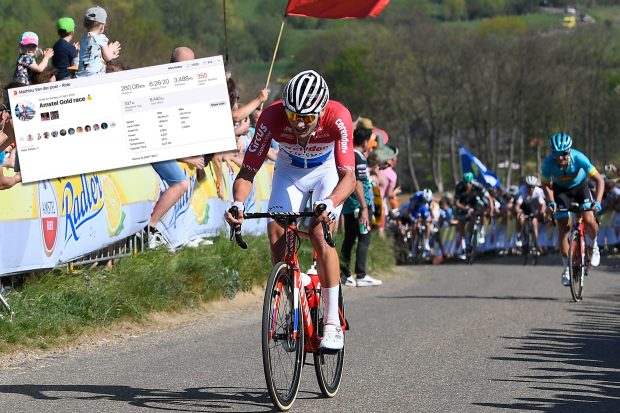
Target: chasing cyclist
(470, 199)
(419, 212)
(531, 201)
(564, 177)
(316, 158)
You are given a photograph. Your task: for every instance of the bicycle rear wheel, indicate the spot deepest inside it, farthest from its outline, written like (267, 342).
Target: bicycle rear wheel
(283, 354)
(328, 365)
(576, 264)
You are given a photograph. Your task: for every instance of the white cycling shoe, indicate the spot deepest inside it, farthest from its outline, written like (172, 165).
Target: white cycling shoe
(595, 260)
(333, 338)
(566, 277)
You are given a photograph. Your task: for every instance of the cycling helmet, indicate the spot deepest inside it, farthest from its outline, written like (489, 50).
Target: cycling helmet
(560, 142)
(427, 194)
(306, 93)
(531, 180)
(468, 177)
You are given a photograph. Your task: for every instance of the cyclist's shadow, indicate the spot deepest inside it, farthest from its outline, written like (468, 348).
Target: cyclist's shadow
(197, 399)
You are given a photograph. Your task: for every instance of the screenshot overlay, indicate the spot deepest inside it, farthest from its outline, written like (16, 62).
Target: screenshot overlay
(122, 119)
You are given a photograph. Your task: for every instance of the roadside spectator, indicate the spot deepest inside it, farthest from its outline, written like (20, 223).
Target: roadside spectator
(65, 59)
(611, 199)
(95, 47)
(389, 154)
(357, 211)
(171, 173)
(378, 183)
(7, 138)
(26, 64)
(115, 66)
(46, 76)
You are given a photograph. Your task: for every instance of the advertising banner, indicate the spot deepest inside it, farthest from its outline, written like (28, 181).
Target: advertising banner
(53, 221)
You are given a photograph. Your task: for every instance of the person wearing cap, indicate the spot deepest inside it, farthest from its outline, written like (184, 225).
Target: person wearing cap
(65, 58)
(95, 48)
(26, 65)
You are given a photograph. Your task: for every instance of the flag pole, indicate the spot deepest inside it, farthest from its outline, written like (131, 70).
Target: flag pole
(225, 34)
(275, 52)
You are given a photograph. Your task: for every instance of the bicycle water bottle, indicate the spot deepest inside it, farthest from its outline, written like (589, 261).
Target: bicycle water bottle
(313, 288)
(362, 227)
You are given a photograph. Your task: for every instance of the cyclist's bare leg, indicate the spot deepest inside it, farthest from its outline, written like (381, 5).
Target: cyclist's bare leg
(460, 229)
(590, 223)
(276, 241)
(429, 227)
(563, 229)
(535, 227)
(327, 257)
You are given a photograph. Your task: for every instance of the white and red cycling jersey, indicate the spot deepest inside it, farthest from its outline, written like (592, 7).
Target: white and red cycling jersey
(331, 142)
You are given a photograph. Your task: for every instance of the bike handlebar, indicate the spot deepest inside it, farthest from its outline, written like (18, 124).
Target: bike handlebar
(235, 232)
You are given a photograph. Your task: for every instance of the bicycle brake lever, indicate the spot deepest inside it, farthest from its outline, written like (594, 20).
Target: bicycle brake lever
(235, 231)
(327, 235)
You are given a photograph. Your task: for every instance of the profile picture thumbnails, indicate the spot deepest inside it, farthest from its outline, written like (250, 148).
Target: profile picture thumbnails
(24, 111)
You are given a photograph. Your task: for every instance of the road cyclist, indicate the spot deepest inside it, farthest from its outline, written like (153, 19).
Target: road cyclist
(529, 210)
(564, 175)
(316, 159)
(472, 201)
(419, 213)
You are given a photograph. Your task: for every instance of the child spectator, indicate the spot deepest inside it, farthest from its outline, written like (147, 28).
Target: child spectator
(26, 64)
(95, 49)
(65, 58)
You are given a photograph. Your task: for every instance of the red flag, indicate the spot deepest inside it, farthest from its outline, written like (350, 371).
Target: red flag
(336, 9)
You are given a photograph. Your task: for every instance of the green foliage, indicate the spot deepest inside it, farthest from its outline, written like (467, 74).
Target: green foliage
(453, 9)
(360, 86)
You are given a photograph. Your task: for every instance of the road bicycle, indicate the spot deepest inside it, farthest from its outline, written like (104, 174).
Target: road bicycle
(529, 247)
(292, 323)
(474, 238)
(578, 252)
(418, 241)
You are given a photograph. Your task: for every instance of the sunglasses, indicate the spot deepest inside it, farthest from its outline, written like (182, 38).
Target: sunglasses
(561, 154)
(294, 117)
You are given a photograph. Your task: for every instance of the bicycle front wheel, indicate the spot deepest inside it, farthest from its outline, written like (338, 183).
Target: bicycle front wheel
(283, 351)
(473, 245)
(576, 264)
(525, 247)
(328, 365)
(533, 248)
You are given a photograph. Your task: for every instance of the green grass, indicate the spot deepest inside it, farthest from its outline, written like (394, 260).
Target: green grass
(60, 305)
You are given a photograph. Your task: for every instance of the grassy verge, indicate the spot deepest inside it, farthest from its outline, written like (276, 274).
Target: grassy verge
(61, 305)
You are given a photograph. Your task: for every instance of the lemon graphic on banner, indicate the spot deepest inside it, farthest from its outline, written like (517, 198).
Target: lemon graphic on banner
(113, 206)
(200, 203)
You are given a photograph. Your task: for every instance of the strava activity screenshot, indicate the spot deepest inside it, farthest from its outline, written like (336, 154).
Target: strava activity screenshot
(122, 119)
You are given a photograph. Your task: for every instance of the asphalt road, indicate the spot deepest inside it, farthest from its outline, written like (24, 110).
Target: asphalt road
(495, 336)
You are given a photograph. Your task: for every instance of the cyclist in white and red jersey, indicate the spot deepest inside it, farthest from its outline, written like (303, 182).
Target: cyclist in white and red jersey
(315, 158)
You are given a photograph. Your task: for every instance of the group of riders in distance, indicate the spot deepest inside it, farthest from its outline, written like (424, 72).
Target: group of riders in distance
(316, 163)
(565, 173)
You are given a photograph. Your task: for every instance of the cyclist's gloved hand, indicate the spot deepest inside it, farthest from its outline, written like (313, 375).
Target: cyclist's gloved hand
(552, 206)
(597, 206)
(330, 210)
(586, 206)
(230, 217)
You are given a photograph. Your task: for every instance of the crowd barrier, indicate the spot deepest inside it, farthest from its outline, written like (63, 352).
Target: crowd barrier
(500, 234)
(49, 223)
(53, 222)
